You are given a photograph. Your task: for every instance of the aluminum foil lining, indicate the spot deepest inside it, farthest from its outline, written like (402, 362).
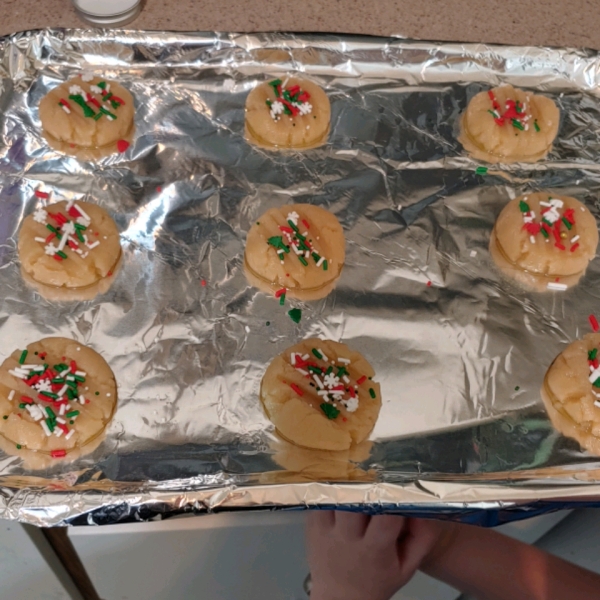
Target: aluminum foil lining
(459, 351)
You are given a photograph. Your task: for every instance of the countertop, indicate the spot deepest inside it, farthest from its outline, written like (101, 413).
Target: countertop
(528, 22)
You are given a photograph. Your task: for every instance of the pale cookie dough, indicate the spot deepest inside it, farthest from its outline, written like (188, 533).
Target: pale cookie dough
(289, 114)
(320, 394)
(506, 124)
(56, 397)
(297, 249)
(544, 241)
(87, 251)
(88, 113)
(571, 392)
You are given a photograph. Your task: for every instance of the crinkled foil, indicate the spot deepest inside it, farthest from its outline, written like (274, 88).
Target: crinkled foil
(459, 351)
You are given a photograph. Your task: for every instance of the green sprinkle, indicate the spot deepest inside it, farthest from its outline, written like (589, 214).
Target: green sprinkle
(107, 112)
(5, 417)
(544, 220)
(325, 266)
(331, 412)
(269, 103)
(517, 388)
(60, 367)
(277, 242)
(566, 222)
(286, 110)
(23, 357)
(52, 229)
(293, 226)
(481, 170)
(51, 424)
(49, 395)
(58, 380)
(268, 323)
(274, 84)
(114, 104)
(102, 85)
(282, 300)
(71, 422)
(71, 394)
(22, 405)
(592, 354)
(597, 383)
(316, 257)
(19, 446)
(317, 353)
(524, 207)
(79, 226)
(536, 126)
(372, 393)
(492, 113)
(518, 125)
(97, 116)
(61, 254)
(79, 378)
(50, 413)
(314, 369)
(544, 232)
(258, 222)
(342, 371)
(295, 315)
(329, 371)
(78, 99)
(303, 260)
(97, 393)
(72, 414)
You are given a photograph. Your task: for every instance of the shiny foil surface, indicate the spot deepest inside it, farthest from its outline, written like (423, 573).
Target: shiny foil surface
(459, 351)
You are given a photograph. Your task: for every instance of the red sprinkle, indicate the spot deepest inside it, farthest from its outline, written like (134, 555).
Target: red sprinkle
(352, 392)
(58, 453)
(57, 257)
(203, 283)
(117, 100)
(560, 246)
(26, 399)
(305, 223)
(122, 145)
(298, 390)
(73, 212)
(429, 284)
(50, 238)
(361, 380)
(158, 189)
(570, 215)
(109, 274)
(344, 419)
(594, 322)
(280, 292)
(40, 194)
(72, 245)
(90, 98)
(286, 229)
(63, 427)
(574, 246)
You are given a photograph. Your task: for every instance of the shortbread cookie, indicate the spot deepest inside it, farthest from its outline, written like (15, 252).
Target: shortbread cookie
(506, 124)
(320, 394)
(571, 392)
(71, 245)
(544, 241)
(289, 114)
(56, 396)
(87, 113)
(297, 248)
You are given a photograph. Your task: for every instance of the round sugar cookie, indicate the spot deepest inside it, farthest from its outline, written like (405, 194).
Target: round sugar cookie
(87, 113)
(289, 114)
(571, 392)
(297, 247)
(506, 124)
(71, 245)
(56, 396)
(320, 394)
(544, 241)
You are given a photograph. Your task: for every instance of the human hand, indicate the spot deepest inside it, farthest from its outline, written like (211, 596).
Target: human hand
(357, 557)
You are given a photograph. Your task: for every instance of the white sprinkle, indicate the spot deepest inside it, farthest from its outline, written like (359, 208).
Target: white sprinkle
(473, 253)
(574, 239)
(11, 395)
(81, 399)
(542, 203)
(320, 261)
(247, 329)
(302, 371)
(595, 374)
(95, 89)
(351, 404)
(40, 215)
(323, 392)
(532, 239)
(318, 381)
(27, 367)
(45, 428)
(308, 127)
(58, 431)
(583, 209)
(597, 403)
(346, 361)
(65, 108)
(293, 217)
(108, 394)
(70, 377)
(94, 245)
(82, 212)
(40, 240)
(293, 359)
(59, 420)
(18, 374)
(345, 378)
(63, 390)
(323, 354)
(306, 357)
(62, 410)
(68, 436)
(559, 287)
(75, 90)
(78, 349)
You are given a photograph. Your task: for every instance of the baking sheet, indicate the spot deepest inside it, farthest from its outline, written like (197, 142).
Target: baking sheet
(459, 351)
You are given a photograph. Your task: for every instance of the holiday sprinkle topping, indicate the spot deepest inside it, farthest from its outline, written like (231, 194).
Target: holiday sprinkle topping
(65, 234)
(514, 114)
(555, 224)
(290, 101)
(55, 394)
(293, 241)
(331, 380)
(101, 102)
